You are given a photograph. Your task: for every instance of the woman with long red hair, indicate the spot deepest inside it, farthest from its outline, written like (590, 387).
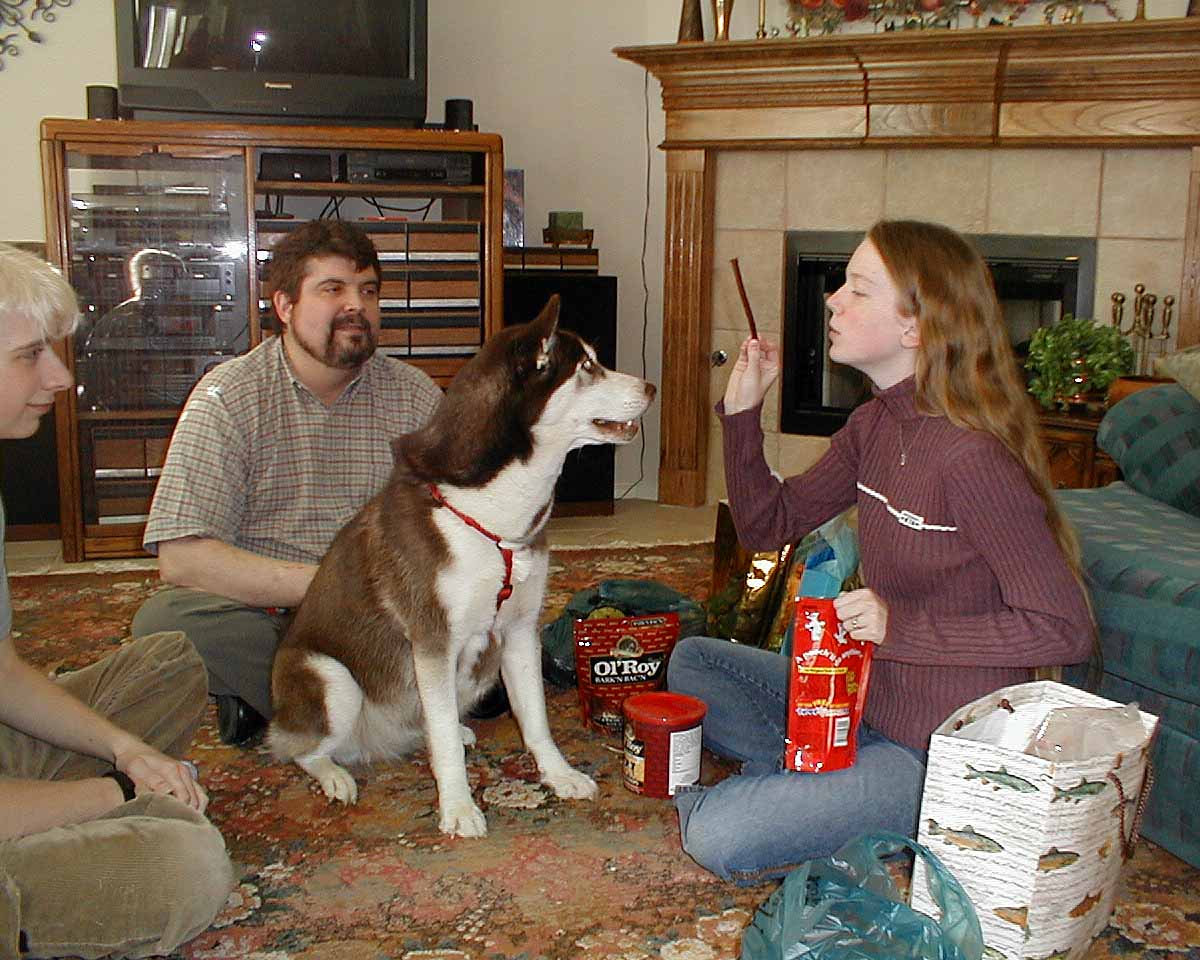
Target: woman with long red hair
(971, 574)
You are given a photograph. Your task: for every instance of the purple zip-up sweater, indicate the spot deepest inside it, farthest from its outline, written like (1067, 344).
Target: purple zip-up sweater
(955, 543)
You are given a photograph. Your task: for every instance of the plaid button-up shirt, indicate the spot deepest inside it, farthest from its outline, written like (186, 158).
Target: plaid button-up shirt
(258, 462)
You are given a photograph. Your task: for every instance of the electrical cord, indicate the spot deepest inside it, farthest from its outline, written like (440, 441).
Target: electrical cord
(645, 283)
(381, 207)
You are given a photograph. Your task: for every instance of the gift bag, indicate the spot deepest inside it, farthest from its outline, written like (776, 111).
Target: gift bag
(1038, 843)
(847, 907)
(749, 588)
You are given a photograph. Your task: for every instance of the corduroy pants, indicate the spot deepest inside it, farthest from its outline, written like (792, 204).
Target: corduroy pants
(149, 875)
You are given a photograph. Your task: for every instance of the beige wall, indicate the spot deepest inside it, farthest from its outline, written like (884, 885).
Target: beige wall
(1133, 201)
(541, 73)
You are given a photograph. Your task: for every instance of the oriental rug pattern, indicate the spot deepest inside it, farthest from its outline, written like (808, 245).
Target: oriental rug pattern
(553, 880)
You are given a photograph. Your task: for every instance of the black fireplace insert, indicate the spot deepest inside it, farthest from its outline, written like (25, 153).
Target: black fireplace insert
(1038, 279)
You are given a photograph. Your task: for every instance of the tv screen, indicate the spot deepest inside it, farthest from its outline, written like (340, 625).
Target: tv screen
(341, 60)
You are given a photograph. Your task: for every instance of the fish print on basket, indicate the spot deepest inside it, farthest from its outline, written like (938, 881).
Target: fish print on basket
(1037, 844)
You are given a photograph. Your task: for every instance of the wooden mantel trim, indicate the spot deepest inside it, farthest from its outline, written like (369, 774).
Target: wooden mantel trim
(1082, 84)
(1131, 84)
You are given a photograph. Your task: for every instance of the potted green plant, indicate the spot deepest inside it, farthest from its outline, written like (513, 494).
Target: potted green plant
(1074, 359)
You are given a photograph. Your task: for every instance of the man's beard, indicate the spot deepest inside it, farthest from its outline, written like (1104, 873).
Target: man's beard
(338, 353)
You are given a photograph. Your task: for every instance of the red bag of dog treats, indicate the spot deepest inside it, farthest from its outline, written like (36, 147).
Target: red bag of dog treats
(616, 657)
(827, 687)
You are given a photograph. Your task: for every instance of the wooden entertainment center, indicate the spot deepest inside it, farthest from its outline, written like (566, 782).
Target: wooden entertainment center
(163, 229)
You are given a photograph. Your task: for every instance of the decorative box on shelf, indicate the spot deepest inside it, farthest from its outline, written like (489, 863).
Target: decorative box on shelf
(568, 236)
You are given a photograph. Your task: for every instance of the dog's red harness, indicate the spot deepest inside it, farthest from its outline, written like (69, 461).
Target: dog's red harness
(506, 589)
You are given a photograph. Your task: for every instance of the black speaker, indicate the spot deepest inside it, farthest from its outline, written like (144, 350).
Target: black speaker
(589, 308)
(316, 167)
(460, 115)
(101, 102)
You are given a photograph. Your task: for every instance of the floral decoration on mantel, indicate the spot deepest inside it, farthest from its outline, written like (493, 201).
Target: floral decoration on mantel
(16, 17)
(806, 17)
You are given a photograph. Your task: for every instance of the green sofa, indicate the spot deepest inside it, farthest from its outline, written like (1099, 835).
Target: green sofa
(1141, 553)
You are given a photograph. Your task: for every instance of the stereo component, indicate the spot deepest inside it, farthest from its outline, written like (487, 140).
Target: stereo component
(405, 166)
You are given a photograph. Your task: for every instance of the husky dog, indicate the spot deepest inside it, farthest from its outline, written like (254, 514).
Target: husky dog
(435, 586)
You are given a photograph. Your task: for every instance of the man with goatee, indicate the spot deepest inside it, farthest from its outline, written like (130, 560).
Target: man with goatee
(274, 452)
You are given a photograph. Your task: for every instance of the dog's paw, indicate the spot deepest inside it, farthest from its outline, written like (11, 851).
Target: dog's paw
(570, 784)
(335, 781)
(467, 734)
(462, 819)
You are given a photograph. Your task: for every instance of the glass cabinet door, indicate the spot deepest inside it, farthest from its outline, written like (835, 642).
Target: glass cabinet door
(156, 250)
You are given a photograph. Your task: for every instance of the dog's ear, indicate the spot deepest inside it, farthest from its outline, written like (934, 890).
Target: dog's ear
(545, 328)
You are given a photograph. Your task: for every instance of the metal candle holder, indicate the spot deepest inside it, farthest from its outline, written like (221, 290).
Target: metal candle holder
(1141, 322)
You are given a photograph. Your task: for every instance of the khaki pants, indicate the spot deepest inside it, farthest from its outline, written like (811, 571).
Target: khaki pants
(149, 875)
(236, 642)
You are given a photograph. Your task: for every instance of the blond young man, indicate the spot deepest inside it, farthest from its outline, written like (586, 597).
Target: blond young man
(104, 847)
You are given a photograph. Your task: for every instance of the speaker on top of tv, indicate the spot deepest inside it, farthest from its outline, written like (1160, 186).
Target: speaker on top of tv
(101, 102)
(589, 308)
(460, 115)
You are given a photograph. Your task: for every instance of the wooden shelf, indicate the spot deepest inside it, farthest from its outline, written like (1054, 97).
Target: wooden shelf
(1088, 83)
(338, 189)
(129, 414)
(457, 258)
(1075, 460)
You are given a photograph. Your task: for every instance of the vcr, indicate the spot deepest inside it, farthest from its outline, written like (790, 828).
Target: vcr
(405, 166)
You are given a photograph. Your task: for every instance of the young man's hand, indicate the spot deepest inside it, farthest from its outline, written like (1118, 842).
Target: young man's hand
(154, 772)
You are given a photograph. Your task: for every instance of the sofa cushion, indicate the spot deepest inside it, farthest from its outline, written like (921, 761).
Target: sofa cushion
(1184, 366)
(1142, 560)
(1171, 819)
(1154, 436)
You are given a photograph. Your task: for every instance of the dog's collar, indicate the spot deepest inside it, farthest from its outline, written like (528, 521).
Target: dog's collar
(506, 589)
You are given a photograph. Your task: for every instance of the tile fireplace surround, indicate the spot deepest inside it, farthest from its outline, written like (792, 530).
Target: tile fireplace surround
(1070, 130)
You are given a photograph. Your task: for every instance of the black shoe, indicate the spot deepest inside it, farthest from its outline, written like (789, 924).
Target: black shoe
(237, 721)
(492, 704)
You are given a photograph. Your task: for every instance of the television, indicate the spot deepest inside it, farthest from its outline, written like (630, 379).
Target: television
(273, 61)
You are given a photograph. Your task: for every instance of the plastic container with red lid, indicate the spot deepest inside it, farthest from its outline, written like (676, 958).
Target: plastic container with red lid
(662, 742)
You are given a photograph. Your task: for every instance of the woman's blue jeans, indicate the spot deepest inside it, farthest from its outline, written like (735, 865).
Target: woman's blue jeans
(765, 821)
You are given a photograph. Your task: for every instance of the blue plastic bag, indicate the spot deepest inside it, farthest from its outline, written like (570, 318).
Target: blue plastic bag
(846, 907)
(832, 559)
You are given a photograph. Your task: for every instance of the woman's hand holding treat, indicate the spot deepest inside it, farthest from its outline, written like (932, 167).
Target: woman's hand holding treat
(756, 368)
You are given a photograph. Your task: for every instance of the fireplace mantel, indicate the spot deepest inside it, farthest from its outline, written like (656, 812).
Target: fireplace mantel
(1124, 84)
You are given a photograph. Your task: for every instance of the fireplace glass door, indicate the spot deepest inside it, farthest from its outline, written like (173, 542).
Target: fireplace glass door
(1038, 281)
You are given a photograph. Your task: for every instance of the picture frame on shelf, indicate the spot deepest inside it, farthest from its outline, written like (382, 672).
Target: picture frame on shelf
(514, 208)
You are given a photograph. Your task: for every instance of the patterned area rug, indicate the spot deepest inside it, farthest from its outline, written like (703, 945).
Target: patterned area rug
(553, 880)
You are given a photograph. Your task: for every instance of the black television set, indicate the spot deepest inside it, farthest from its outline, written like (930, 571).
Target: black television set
(273, 61)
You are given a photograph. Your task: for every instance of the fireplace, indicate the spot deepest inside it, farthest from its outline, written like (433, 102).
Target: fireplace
(1085, 130)
(1038, 279)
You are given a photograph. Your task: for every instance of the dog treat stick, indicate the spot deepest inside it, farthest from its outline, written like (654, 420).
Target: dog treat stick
(737, 275)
